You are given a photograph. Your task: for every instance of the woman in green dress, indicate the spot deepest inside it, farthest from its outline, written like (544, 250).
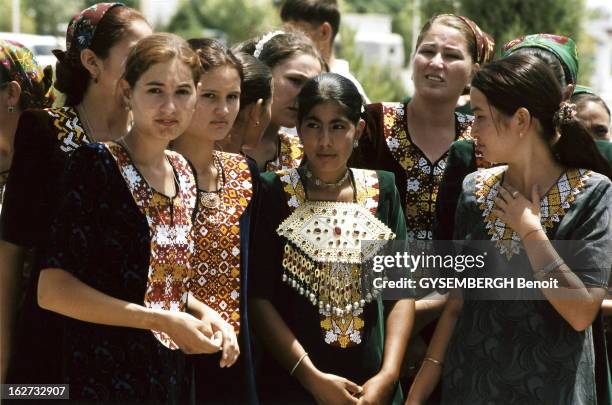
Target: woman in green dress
(330, 337)
(529, 351)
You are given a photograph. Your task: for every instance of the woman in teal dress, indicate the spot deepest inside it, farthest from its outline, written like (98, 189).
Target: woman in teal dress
(527, 351)
(329, 337)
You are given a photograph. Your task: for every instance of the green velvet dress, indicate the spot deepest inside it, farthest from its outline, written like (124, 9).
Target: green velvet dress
(361, 359)
(524, 351)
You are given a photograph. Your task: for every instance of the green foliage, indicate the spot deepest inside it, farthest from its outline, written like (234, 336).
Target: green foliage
(238, 19)
(380, 83)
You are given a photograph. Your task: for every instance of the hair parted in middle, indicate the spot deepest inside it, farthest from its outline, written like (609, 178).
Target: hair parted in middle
(160, 48)
(331, 87)
(214, 54)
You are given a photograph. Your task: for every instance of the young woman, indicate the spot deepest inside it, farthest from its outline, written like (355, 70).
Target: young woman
(117, 262)
(97, 43)
(561, 55)
(330, 343)
(555, 186)
(226, 190)
(255, 107)
(23, 85)
(293, 59)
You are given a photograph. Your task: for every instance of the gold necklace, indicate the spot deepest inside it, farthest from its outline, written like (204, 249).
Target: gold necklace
(211, 199)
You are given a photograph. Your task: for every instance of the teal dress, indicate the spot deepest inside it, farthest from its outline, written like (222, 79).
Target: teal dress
(524, 351)
(355, 353)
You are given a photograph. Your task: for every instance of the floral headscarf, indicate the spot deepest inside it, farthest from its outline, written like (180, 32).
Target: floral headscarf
(82, 29)
(18, 64)
(562, 47)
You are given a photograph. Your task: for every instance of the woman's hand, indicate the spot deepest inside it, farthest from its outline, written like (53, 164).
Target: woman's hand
(332, 389)
(518, 212)
(218, 325)
(190, 334)
(377, 390)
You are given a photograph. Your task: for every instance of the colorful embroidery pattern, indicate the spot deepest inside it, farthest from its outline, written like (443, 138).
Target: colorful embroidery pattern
(170, 227)
(423, 177)
(290, 154)
(216, 260)
(553, 206)
(346, 330)
(70, 130)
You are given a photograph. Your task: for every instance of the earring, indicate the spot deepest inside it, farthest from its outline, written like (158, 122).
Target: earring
(256, 123)
(11, 109)
(95, 79)
(355, 144)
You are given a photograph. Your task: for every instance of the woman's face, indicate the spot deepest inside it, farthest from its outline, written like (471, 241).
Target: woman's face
(328, 135)
(163, 100)
(442, 66)
(289, 76)
(113, 67)
(218, 103)
(494, 139)
(596, 120)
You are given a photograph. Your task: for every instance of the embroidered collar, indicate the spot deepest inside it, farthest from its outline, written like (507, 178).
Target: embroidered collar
(290, 153)
(553, 207)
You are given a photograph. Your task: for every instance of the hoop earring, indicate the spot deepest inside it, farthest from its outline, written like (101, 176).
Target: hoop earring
(10, 109)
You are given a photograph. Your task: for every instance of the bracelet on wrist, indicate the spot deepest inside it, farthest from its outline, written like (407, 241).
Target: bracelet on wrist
(544, 271)
(297, 363)
(432, 360)
(530, 232)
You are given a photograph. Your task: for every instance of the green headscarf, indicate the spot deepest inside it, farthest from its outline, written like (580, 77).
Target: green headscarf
(562, 47)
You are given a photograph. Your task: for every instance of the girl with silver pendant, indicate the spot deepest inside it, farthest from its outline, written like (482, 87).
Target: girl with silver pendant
(328, 336)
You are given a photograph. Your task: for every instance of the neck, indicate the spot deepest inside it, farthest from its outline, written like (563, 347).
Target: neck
(330, 177)
(144, 149)
(107, 120)
(328, 56)
(536, 165)
(435, 114)
(271, 133)
(233, 141)
(197, 150)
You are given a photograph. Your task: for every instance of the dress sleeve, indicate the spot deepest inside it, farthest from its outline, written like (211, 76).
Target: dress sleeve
(266, 247)
(31, 182)
(395, 215)
(591, 260)
(79, 219)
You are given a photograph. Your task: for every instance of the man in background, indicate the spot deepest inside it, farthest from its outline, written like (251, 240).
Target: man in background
(320, 20)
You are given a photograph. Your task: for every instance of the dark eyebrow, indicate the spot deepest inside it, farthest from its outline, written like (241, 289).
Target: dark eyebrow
(312, 118)
(154, 83)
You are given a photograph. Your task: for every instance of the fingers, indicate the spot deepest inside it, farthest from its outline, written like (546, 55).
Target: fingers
(352, 387)
(231, 351)
(506, 195)
(498, 213)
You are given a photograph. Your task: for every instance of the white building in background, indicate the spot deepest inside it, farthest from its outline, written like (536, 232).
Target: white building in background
(374, 39)
(601, 30)
(159, 12)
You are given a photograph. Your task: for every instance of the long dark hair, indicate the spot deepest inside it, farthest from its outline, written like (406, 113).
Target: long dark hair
(526, 81)
(331, 87)
(257, 80)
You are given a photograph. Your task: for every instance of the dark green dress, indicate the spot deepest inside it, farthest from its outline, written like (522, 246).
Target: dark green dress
(524, 351)
(362, 359)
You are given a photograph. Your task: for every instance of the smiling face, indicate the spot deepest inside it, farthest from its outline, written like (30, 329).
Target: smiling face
(596, 120)
(163, 100)
(328, 135)
(218, 103)
(442, 66)
(289, 77)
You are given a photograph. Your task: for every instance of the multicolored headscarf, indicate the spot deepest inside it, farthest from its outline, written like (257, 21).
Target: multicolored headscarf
(82, 29)
(485, 45)
(17, 64)
(564, 48)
